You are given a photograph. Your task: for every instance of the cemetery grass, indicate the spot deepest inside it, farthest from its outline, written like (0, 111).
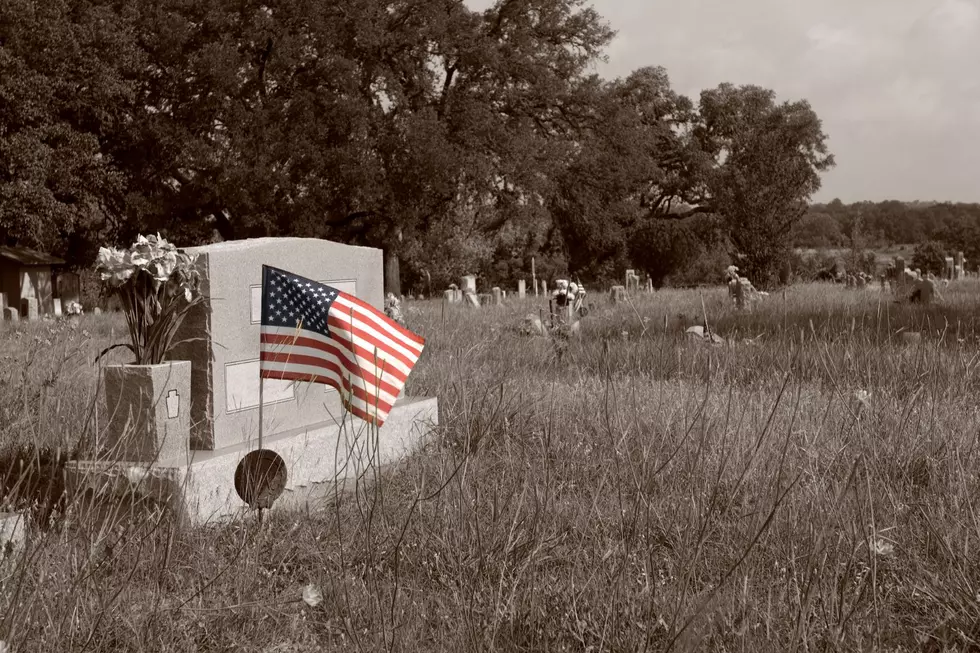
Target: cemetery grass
(809, 485)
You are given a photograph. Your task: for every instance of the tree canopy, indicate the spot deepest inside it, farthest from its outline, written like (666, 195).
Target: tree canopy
(458, 141)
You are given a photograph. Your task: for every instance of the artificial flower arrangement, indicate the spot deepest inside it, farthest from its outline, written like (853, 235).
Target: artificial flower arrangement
(158, 285)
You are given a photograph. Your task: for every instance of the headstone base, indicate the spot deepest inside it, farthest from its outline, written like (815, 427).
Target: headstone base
(203, 491)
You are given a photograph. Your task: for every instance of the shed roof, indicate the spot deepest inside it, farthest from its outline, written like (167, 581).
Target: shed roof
(26, 256)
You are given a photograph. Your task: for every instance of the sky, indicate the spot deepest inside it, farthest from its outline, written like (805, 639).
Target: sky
(895, 82)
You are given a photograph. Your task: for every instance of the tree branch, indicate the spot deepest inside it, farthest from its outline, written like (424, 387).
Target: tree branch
(263, 60)
(450, 73)
(680, 215)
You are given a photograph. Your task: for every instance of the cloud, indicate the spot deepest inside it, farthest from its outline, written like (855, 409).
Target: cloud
(836, 50)
(953, 21)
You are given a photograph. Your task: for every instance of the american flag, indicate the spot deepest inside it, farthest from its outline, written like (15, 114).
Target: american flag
(314, 333)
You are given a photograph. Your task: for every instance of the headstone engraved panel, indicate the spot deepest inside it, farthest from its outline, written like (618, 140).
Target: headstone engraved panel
(242, 387)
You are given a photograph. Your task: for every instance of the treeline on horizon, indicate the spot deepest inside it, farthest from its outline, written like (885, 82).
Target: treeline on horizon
(834, 237)
(879, 225)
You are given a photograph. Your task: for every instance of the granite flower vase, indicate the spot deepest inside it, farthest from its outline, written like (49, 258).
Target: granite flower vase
(148, 412)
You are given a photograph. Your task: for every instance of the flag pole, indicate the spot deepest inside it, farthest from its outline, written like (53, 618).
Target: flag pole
(261, 404)
(265, 270)
(255, 485)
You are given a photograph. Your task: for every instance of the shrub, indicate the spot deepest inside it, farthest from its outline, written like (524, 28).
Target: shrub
(662, 247)
(929, 257)
(706, 268)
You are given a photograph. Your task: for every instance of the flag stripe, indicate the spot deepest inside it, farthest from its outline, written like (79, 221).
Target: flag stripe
(365, 310)
(358, 362)
(319, 369)
(369, 414)
(355, 405)
(369, 343)
(308, 363)
(347, 319)
(412, 340)
(339, 382)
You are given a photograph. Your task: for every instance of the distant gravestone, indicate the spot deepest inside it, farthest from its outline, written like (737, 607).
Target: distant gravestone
(302, 427)
(468, 283)
(901, 276)
(632, 281)
(617, 294)
(69, 288)
(10, 313)
(57, 307)
(949, 268)
(521, 289)
(470, 298)
(737, 290)
(544, 287)
(960, 264)
(498, 296)
(453, 295)
(29, 308)
(924, 292)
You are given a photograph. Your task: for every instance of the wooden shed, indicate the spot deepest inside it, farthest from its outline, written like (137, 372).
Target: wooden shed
(26, 274)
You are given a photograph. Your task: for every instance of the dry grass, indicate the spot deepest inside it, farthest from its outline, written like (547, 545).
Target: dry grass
(644, 492)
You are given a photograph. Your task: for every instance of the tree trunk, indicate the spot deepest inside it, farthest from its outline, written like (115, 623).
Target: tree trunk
(393, 282)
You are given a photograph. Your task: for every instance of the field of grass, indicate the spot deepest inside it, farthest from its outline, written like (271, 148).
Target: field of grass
(808, 485)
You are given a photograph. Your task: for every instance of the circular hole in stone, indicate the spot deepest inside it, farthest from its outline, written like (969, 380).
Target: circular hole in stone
(260, 478)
